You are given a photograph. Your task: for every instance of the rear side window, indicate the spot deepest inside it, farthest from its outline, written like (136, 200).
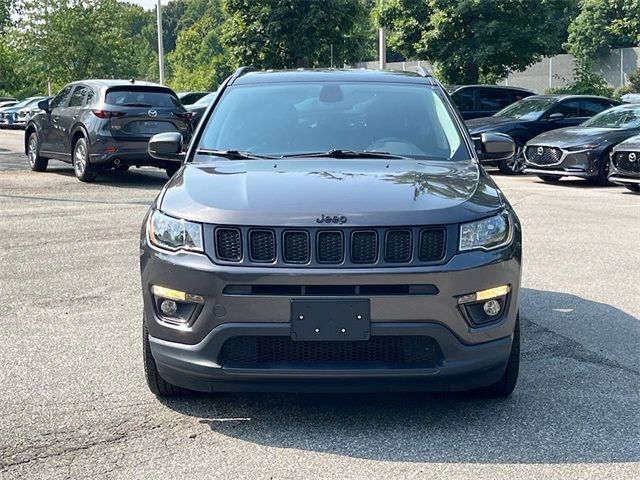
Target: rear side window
(80, 96)
(138, 97)
(589, 108)
(494, 99)
(464, 99)
(568, 109)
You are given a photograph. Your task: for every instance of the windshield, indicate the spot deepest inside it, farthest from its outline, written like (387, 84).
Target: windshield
(527, 109)
(296, 118)
(26, 101)
(619, 117)
(207, 99)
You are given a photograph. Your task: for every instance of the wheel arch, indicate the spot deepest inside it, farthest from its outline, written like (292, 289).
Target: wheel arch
(31, 128)
(78, 132)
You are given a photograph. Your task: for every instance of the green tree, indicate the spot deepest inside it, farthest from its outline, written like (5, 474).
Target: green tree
(477, 40)
(291, 33)
(601, 26)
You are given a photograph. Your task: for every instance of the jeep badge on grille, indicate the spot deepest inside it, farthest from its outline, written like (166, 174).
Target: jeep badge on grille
(340, 219)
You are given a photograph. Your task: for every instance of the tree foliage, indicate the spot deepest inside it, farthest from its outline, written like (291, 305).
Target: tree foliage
(473, 40)
(603, 25)
(291, 34)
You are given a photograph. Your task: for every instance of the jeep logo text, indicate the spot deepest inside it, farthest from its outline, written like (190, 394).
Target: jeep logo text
(340, 219)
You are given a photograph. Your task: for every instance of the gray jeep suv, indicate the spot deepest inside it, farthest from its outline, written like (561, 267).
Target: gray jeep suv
(330, 230)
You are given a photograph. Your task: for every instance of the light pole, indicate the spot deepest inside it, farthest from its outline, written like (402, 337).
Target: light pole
(160, 47)
(382, 45)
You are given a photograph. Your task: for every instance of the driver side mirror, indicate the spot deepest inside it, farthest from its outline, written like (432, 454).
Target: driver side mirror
(496, 146)
(166, 146)
(556, 116)
(44, 105)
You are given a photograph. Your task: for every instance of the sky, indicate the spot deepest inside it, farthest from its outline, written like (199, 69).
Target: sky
(148, 4)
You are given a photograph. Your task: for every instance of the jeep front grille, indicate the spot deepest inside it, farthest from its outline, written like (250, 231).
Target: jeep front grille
(624, 165)
(331, 247)
(377, 352)
(544, 157)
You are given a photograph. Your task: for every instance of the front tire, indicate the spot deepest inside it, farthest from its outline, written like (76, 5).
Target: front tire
(634, 187)
(505, 386)
(36, 162)
(515, 165)
(84, 170)
(158, 386)
(603, 171)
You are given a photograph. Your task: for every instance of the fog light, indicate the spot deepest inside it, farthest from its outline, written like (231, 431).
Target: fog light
(170, 307)
(491, 308)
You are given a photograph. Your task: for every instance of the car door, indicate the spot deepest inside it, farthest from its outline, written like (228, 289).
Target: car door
(491, 100)
(68, 116)
(570, 111)
(49, 132)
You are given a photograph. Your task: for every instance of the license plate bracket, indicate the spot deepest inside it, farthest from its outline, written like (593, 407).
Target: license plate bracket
(330, 320)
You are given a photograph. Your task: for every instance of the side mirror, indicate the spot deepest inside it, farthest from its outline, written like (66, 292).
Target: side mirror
(44, 105)
(496, 146)
(556, 116)
(166, 146)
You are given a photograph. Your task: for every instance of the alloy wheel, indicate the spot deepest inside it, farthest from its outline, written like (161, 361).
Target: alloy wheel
(516, 163)
(80, 159)
(33, 151)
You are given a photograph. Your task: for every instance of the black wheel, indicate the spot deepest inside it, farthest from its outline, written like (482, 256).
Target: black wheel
(603, 171)
(172, 169)
(121, 168)
(514, 165)
(84, 170)
(36, 162)
(505, 386)
(156, 383)
(549, 178)
(634, 187)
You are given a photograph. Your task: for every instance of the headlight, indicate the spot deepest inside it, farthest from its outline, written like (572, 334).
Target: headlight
(174, 234)
(586, 146)
(486, 234)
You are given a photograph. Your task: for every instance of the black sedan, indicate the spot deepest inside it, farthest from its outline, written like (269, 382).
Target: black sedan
(534, 115)
(582, 151)
(624, 168)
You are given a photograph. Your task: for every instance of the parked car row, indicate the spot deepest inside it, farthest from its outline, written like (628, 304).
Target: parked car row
(560, 136)
(15, 114)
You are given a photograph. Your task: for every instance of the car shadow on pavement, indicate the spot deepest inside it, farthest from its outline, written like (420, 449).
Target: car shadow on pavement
(146, 179)
(572, 404)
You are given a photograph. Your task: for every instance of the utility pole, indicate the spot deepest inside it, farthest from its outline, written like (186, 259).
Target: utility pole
(382, 45)
(160, 47)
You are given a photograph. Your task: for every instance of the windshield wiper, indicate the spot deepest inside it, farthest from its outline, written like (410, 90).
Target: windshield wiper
(339, 153)
(233, 154)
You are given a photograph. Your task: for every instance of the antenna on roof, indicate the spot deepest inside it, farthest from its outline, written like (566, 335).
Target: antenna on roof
(133, 80)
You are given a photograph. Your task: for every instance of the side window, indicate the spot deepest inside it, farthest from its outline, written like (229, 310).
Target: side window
(588, 108)
(464, 99)
(568, 109)
(517, 96)
(61, 99)
(494, 99)
(88, 100)
(78, 96)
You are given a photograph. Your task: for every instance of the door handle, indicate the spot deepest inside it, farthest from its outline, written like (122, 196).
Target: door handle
(75, 116)
(55, 119)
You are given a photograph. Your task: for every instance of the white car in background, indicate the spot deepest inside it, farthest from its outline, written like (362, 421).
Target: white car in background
(22, 116)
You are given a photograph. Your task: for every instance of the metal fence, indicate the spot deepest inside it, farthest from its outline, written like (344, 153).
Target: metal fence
(555, 71)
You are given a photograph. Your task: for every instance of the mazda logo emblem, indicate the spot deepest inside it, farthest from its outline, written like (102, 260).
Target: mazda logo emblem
(632, 157)
(152, 113)
(540, 150)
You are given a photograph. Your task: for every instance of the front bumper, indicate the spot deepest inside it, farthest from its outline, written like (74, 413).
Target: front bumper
(581, 164)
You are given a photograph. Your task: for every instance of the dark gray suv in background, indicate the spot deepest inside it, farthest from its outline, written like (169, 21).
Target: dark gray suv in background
(102, 124)
(330, 230)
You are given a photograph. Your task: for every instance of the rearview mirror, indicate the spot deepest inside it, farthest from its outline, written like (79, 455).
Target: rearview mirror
(496, 146)
(44, 105)
(166, 146)
(556, 116)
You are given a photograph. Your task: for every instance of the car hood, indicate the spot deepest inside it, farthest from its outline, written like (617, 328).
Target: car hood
(575, 136)
(480, 125)
(297, 192)
(631, 144)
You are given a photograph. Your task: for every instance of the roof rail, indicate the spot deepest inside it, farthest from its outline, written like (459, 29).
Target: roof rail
(420, 70)
(242, 70)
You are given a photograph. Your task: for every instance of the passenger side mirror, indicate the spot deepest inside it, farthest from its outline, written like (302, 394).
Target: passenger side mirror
(556, 116)
(166, 146)
(44, 105)
(496, 146)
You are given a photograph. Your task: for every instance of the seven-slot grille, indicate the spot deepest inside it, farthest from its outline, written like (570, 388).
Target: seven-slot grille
(323, 247)
(543, 156)
(624, 164)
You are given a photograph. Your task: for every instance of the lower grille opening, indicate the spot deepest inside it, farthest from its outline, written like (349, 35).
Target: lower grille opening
(377, 352)
(330, 290)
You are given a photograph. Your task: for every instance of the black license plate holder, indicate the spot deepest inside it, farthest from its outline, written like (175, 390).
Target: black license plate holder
(330, 320)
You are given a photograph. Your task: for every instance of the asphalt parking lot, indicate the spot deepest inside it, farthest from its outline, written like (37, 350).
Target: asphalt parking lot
(73, 403)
